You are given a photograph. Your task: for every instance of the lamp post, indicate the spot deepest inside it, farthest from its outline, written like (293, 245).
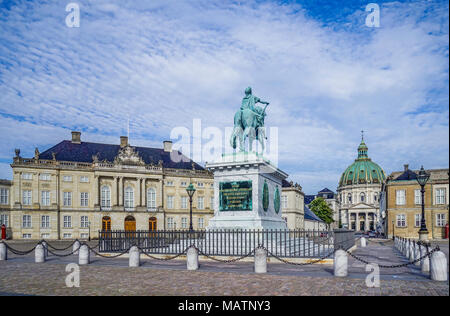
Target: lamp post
(393, 230)
(190, 191)
(422, 179)
(89, 225)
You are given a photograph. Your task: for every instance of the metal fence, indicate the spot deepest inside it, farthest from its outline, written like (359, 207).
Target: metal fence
(281, 243)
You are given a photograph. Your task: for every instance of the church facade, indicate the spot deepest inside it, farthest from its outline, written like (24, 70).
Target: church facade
(358, 193)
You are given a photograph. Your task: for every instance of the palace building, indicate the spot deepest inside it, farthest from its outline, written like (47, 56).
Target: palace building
(359, 193)
(76, 188)
(403, 203)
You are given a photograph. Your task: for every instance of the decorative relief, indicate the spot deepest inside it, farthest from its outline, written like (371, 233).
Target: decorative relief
(128, 156)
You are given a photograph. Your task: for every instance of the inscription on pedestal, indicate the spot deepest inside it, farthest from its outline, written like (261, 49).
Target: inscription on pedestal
(235, 196)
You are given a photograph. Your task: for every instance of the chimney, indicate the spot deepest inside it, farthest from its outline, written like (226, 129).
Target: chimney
(76, 137)
(406, 167)
(167, 146)
(123, 141)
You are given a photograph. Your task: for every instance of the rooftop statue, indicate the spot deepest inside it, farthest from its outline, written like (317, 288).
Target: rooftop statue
(249, 122)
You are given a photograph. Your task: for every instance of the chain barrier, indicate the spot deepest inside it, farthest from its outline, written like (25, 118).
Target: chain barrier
(107, 257)
(59, 249)
(64, 255)
(225, 261)
(163, 259)
(19, 252)
(298, 263)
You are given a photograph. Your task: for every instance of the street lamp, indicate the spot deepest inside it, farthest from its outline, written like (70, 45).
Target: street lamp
(89, 225)
(422, 179)
(190, 191)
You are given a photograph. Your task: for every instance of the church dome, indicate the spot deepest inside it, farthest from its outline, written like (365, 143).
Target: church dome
(363, 170)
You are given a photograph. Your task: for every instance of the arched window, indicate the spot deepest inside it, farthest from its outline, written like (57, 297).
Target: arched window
(151, 198)
(152, 224)
(375, 196)
(363, 197)
(105, 197)
(129, 197)
(349, 198)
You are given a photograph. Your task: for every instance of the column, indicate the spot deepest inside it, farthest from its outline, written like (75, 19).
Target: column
(367, 226)
(144, 193)
(121, 183)
(96, 191)
(115, 192)
(139, 189)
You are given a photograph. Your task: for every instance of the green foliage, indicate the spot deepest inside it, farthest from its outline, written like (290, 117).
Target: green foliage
(321, 208)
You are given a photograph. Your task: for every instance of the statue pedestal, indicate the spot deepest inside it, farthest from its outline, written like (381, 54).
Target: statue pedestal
(247, 193)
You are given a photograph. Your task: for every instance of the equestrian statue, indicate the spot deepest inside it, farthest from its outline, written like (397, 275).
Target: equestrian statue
(249, 122)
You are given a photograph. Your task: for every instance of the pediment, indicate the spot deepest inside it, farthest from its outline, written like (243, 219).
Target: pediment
(361, 206)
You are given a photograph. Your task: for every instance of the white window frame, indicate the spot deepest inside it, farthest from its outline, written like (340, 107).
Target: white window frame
(284, 201)
(184, 202)
(401, 220)
(84, 199)
(400, 199)
(67, 221)
(67, 179)
(45, 198)
(27, 197)
(67, 198)
(417, 197)
(170, 204)
(105, 197)
(417, 220)
(67, 236)
(26, 236)
(45, 221)
(201, 184)
(45, 177)
(200, 203)
(129, 198)
(26, 221)
(184, 223)
(4, 196)
(441, 220)
(27, 176)
(201, 222)
(84, 221)
(170, 223)
(84, 179)
(440, 194)
(4, 219)
(151, 198)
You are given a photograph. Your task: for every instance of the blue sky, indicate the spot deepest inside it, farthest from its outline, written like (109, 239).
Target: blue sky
(325, 73)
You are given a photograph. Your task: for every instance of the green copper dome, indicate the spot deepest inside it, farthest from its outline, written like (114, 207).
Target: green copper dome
(363, 170)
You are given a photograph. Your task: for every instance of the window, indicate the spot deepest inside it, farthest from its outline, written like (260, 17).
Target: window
(105, 197)
(440, 196)
(67, 222)
(67, 236)
(400, 197)
(362, 197)
(45, 198)
(67, 178)
(401, 220)
(284, 201)
(184, 202)
(129, 197)
(151, 198)
(169, 183)
(45, 221)
(375, 196)
(183, 183)
(26, 221)
(84, 222)
(45, 236)
(27, 176)
(4, 219)
(84, 179)
(349, 198)
(417, 197)
(44, 177)
(84, 236)
(26, 236)
(201, 223)
(170, 201)
(84, 199)
(200, 203)
(417, 219)
(440, 220)
(4, 196)
(212, 202)
(170, 223)
(184, 223)
(26, 197)
(67, 198)
(200, 184)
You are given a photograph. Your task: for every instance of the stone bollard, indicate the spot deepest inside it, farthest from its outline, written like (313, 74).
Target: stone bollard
(45, 245)
(407, 250)
(3, 251)
(340, 263)
(363, 242)
(425, 263)
(411, 252)
(417, 255)
(192, 258)
(135, 257)
(76, 247)
(83, 255)
(260, 260)
(39, 254)
(438, 266)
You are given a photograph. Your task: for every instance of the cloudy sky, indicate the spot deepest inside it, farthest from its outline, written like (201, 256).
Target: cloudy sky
(163, 63)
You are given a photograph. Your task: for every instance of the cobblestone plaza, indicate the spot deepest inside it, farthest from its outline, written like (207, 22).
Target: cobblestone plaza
(19, 275)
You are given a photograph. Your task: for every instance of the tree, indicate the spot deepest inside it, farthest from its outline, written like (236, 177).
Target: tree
(321, 208)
